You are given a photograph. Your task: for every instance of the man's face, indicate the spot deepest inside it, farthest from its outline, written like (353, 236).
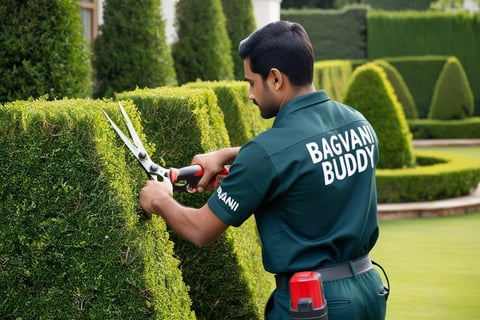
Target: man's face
(260, 92)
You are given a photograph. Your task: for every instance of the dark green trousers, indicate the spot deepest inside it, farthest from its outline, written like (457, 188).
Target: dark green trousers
(361, 297)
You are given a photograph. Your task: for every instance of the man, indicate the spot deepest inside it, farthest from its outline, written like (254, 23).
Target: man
(309, 180)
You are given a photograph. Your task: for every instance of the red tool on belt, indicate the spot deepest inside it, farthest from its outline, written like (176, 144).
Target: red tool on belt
(182, 179)
(306, 297)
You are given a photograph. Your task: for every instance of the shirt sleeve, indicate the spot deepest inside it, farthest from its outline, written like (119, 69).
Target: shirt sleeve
(244, 189)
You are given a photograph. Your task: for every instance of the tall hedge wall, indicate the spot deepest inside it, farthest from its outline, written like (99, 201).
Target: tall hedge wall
(226, 278)
(335, 34)
(73, 244)
(425, 33)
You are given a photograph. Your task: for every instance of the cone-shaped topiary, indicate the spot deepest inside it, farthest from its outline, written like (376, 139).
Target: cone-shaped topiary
(401, 89)
(203, 47)
(43, 51)
(240, 23)
(452, 97)
(131, 49)
(371, 93)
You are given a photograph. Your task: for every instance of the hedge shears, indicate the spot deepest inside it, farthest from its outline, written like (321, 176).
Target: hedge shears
(182, 179)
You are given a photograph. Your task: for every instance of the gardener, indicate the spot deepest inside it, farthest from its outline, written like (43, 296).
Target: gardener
(309, 180)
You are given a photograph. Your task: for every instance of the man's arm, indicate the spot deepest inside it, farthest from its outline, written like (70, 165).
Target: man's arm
(198, 226)
(212, 163)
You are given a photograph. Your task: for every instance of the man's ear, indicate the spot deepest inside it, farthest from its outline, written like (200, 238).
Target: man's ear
(276, 77)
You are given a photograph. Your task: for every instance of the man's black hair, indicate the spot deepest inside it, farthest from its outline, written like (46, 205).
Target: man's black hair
(283, 45)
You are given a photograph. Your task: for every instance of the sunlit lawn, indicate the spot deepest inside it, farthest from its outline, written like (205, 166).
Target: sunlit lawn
(433, 264)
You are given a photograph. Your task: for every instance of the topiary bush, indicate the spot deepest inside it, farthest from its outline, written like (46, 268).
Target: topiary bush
(73, 243)
(452, 97)
(203, 47)
(131, 49)
(372, 94)
(333, 76)
(43, 51)
(242, 118)
(400, 88)
(240, 23)
(226, 278)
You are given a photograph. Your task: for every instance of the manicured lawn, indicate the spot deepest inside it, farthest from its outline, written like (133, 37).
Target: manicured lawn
(433, 265)
(470, 152)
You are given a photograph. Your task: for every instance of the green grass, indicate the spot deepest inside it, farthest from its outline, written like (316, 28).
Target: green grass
(433, 265)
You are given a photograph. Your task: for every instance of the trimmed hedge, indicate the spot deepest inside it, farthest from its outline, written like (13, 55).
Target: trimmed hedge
(226, 278)
(333, 76)
(452, 98)
(73, 243)
(445, 129)
(438, 176)
(372, 94)
(203, 49)
(242, 118)
(43, 51)
(400, 88)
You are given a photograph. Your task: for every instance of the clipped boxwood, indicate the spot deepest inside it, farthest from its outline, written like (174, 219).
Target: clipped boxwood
(438, 176)
(333, 76)
(372, 94)
(73, 244)
(445, 129)
(226, 278)
(242, 118)
(452, 97)
(400, 88)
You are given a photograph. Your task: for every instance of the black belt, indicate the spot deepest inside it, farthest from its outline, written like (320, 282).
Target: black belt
(331, 273)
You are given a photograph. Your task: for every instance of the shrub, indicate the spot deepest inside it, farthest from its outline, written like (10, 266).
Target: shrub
(43, 51)
(452, 97)
(372, 94)
(333, 76)
(445, 129)
(203, 47)
(400, 88)
(226, 278)
(131, 49)
(242, 118)
(240, 23)
(73, 243)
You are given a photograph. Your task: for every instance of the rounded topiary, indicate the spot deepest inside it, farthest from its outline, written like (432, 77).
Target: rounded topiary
(371, 93)
(452, 97)
(131, 49)
(401, 89)
(43, 51)
(240, 23)
(203, 47)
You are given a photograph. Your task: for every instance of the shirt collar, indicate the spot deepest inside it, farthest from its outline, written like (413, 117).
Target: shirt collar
(301, 102)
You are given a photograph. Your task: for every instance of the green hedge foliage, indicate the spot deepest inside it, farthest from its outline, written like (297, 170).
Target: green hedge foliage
(452, 97)
(43, 51)
(242, 118)
(73, 243)
(437, 176)
(203, 49)
(424, 33)
(226, 279)
(445, 129)
(240, 23)
(333, 76)
(400, 88)
(372, 94)
(335, 34)
(131, 50)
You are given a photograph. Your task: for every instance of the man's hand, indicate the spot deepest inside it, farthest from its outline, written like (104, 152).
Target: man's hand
(153, 194)
(213, 163)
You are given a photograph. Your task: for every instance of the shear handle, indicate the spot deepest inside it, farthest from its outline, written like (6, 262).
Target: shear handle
(187, 178)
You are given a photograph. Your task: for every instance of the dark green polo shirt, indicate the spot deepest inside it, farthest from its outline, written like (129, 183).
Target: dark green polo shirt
(310, 180)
